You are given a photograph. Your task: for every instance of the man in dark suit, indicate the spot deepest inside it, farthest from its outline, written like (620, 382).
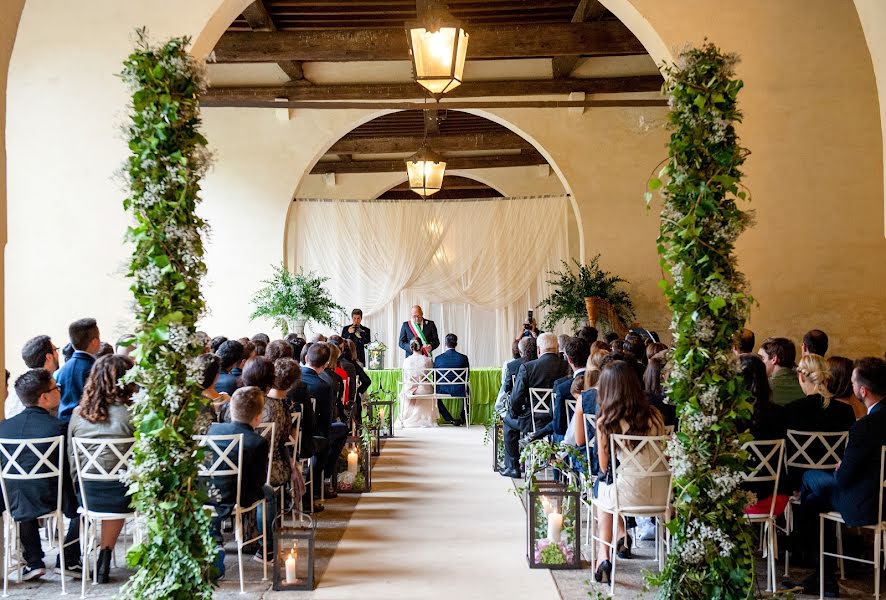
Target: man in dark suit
(333, 430)
(231, 355)
(358, 333)
(72, 376)
(539, 373)
(853, 490)
(30, 499)
(247, 405)
(577, 352)
(451, 359)
(421, 328)
(525, 347)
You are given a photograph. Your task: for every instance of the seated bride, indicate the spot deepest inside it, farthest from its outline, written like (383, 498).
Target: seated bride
(418, 404)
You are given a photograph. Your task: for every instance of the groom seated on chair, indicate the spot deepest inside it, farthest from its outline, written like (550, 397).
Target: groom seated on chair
(539, 373)
(853, 489)
(451, 359)
(246, 407)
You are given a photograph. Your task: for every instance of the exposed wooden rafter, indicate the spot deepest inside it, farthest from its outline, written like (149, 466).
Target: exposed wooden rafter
(587, 10)
(241, 96)
(524, 159)
(598, 38)
(259, 19)
(390, 144)
(454, 104)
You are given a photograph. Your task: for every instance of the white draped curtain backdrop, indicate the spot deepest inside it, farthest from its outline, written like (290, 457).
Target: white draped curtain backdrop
(474, 266)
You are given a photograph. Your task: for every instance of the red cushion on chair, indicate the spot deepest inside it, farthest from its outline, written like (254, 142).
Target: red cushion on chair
(761, 507)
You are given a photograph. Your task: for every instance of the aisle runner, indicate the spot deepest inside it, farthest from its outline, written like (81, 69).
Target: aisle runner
(437, 524)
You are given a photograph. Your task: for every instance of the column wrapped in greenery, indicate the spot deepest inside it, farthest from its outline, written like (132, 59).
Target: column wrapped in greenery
(711, 555)
(168, 158)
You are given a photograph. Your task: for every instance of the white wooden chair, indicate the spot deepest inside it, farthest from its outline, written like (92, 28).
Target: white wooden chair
(540, 402)
(224, 459)
(29, 460)
(766, 459)
(433, 379)
(630, 465)
(571, 403)
(448, 377)
(88, 466)
(799, 449)
(587, 498)
(879, 540)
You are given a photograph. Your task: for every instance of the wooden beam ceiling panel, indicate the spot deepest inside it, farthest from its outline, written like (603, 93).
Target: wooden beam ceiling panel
(391, 143)
(228, 96)
(587, 10)
(524, 159)
(487, 41)
(259, 19)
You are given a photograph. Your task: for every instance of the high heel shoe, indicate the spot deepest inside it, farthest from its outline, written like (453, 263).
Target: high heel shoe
(623, 546)
(605, 568)
(103, 566)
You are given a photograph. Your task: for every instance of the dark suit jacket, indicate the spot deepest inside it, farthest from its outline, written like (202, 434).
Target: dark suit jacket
(451, 359)
(360, 342)
(559, 420)
(363, 380)
(337, 385)
(72, 377)
(429, 329)
(322, 393)
(512, 368)
(858, 478)
(29, 499)
(253, 469)
(227, 382)
(298, 399)
(539, 373)
(807, 414)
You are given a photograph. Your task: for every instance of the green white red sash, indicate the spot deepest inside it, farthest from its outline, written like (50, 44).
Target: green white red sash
(417, 332)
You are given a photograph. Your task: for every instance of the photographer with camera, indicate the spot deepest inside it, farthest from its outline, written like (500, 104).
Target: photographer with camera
(530, 327)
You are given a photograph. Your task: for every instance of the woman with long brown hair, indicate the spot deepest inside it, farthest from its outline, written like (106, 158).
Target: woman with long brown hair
(103, 414)
(623, 409)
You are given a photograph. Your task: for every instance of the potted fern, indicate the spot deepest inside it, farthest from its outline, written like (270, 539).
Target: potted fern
(571, 286)
(290, 300)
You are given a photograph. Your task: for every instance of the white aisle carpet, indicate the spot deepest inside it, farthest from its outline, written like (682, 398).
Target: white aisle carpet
(437, 524)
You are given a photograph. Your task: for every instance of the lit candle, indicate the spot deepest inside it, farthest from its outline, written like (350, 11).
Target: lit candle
(555, 525)
(352, 462)
(290, 565)
(546, 503)
(381, 414)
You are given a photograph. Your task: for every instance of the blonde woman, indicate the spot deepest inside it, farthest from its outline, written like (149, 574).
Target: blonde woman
(816, 412)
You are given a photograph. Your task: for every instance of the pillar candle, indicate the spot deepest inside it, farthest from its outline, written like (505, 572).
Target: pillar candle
(555, 525)
(290, 566)
(352, 462)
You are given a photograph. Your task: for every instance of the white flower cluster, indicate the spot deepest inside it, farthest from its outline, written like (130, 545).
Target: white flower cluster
(718, 288)
(671, 213)
(682, 463)
(149, 275)
(180, 338)
(719, 126)
(694, 548)
(697, 422)
(704, 329)
(709, 398)
(677, 273)
(725, 482)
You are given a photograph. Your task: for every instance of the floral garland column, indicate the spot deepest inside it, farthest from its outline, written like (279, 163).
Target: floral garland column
(712, 553)
(168, 158)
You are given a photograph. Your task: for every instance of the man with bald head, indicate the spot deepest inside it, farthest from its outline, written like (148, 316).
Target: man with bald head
(539, 373)
(419, 327)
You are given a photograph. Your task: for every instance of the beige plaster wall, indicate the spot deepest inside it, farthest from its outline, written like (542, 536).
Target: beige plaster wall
(816, 258)
(872, 14)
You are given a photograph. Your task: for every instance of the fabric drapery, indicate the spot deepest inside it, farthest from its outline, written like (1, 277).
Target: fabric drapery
(475, 266)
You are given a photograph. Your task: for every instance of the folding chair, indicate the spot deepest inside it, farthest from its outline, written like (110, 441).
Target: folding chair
(828, 446)
(224, 458)
(878, 529)
(629, 465)
(449, 377)
(88, 454)
(766, 457)
(28, 460)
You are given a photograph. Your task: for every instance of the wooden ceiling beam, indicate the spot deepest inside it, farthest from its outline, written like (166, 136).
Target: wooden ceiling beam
(587, 10)
(487, 41)
(524, 159)
(259, 19)
(236, 96)
(384, 144)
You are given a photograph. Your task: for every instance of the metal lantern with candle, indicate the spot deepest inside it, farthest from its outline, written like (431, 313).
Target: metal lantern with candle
(553, 529)
(425, 170)
(381, 403)
(498, 444)
(354, 467)
(294, 558)
(438, 46)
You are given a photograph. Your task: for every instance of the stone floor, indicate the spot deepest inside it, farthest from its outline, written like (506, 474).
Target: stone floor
(437, 524)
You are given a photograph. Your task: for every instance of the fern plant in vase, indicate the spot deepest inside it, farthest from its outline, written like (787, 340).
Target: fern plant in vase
(291, 300)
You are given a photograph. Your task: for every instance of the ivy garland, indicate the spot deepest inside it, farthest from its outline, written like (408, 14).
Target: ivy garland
(167, 159)
(712, 551)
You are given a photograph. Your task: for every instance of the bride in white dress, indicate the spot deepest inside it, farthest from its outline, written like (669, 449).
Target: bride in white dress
(417, 404)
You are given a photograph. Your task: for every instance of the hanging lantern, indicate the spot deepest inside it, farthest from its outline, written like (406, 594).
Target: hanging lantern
(425, 170)
(438, 46)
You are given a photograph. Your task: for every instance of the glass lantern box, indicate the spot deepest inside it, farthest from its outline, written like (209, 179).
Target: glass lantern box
(382, 409)
(354, 472)
(498, 445)
(553, 531)
(294, 559)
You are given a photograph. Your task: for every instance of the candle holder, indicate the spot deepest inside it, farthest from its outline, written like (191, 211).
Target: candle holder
(354, 472)
(382, 402)
(294, 558)
(553, 525)
(498, 445)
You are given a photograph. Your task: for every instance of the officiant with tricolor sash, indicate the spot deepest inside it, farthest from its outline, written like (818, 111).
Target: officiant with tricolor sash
(421, 328)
